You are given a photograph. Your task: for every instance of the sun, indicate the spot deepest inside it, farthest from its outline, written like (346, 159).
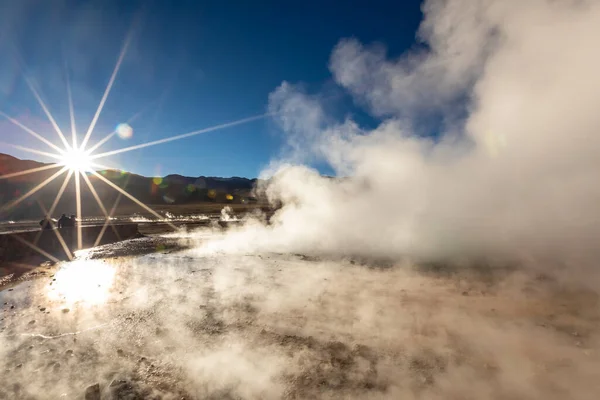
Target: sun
(77, 160)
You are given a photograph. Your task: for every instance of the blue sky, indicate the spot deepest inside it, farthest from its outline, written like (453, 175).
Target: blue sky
(189, 65)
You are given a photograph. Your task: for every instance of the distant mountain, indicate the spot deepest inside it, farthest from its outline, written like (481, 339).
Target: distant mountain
(171, 189)
(10, 165)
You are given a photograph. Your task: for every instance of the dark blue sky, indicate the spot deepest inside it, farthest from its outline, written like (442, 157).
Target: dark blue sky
(189, 65)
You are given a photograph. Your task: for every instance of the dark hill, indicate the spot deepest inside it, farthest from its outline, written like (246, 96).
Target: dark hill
(152, 191)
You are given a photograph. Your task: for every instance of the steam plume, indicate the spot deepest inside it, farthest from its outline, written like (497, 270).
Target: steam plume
(515, 177)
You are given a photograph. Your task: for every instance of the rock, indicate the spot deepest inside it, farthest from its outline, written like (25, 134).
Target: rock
(10, 290)
(42, 309)
(12, 307)
(32, 322)
(92, 392)
(124, 389)
(65, 310)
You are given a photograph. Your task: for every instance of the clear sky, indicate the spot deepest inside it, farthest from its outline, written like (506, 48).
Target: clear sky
(189, 65)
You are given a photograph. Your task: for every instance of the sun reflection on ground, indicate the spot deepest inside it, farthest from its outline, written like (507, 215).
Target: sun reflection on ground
(82, 281)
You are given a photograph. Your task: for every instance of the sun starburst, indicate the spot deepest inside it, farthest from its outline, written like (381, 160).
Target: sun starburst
(80, 161)
(77, 160)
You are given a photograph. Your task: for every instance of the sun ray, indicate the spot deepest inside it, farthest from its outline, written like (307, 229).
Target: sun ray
(48, 114)
(78, 200)
(110, 215)
(29, 171)
(183, 136)
(132, 198)
(33, 191)
(71, 111)
(31, 132)
(36, 248)
(60, 193)
(63, 244)
(30, 150)
(100, 143)
(95, 194)
(49, 213)
(129, 121)
(106, 93)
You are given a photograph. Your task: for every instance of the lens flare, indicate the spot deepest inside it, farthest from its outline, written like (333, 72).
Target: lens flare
(125, 131)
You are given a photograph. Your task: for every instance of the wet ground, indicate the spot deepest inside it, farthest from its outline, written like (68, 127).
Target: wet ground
(37, 266)
(153, 237)
(175, 323)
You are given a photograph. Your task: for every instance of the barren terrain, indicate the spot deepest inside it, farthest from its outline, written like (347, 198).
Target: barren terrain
(201, 323)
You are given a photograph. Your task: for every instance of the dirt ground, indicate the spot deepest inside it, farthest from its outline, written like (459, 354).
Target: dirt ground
(179, 323)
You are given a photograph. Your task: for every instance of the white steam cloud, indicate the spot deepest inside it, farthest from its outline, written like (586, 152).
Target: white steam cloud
(514, 178)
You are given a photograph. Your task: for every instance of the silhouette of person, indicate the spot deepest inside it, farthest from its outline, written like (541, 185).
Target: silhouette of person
(46, 223)
(72, 220)
(63, 221)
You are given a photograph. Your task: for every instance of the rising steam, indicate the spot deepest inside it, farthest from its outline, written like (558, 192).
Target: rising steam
(513, 170)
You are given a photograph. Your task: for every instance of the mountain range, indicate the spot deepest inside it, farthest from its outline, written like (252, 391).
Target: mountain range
(167, 190)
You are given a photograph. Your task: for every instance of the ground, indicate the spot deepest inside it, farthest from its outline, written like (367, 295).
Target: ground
(183, 322)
